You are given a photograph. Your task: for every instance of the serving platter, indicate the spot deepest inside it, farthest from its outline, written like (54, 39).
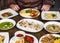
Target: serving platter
(54, 35)
(36, 25)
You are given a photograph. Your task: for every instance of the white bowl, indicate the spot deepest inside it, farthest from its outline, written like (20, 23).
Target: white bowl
(20, 32)
(8, 10)
(51, 23)
(8, 20)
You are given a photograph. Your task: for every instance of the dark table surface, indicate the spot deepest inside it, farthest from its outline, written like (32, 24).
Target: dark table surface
(38, 34)
(56, 6)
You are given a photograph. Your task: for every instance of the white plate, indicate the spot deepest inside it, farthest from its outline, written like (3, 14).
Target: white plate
(8, 20)
(6, 35)
(8, 10)
(13, 39)
(50, 23)
(30, 21)
(54, 12)
(56, 35)
(27, 15)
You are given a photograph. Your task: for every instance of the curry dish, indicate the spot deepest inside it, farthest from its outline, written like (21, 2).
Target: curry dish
(29, 12)
(53, 28)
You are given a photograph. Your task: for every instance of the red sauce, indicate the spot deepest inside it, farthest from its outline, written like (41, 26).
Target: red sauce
(29, 39)
(19, 35)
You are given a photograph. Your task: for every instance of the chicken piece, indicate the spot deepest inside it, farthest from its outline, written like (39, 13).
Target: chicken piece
(48, 39)
(45, 39)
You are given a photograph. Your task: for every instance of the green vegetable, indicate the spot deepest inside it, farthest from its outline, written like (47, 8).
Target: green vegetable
(53, 27)
(10, 14)
(56, 38)
(53, 15)
(6, 25)
(26, 42)
(27, 11)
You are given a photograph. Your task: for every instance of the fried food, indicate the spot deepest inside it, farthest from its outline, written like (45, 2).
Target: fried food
(48, 39)
(20, 41)
(2, 39)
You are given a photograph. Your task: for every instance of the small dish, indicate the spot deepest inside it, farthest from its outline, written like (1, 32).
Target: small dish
(20, 34)
(7, 13)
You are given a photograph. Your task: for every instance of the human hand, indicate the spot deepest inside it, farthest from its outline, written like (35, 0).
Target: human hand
(14, 7)
(45, 7)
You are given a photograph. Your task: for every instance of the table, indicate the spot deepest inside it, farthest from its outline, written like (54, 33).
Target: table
(38, 34)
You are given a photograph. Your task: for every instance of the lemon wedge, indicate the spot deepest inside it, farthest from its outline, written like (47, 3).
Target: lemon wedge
(57, 41)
